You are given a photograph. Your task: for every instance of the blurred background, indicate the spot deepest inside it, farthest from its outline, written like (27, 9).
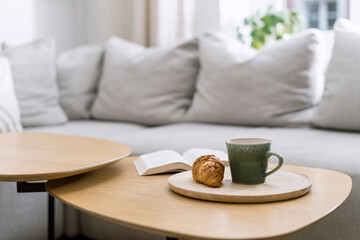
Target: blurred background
(162, 22)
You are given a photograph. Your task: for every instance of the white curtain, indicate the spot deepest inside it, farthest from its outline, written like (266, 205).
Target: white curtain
(170, 20)
(147, 22)
(207, 16)
(163, 22)
(78, 22)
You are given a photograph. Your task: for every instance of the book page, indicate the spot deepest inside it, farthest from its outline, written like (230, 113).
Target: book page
(160, 161)
(192, 154)
(163, 157)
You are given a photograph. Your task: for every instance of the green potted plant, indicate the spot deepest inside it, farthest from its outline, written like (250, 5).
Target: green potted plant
(273, 25)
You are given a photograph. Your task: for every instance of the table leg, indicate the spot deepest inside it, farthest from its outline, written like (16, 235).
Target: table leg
(51, 217)
(25, 187)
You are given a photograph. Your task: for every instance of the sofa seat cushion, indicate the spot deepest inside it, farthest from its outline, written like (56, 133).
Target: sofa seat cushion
(89, 128)
(299, 146)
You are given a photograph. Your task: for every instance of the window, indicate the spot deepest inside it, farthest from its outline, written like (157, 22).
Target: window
(312, 12)
(331, 13)
(320, 14)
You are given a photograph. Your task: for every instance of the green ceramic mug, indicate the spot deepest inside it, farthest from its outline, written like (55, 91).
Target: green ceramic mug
(248, 159)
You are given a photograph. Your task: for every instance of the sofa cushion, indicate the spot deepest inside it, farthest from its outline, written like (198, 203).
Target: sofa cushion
(9, 107)
(34, 73)
(340, 106)
(271, 87)
(146, 85)
(78, 74)
(299, 146)
(90, 128)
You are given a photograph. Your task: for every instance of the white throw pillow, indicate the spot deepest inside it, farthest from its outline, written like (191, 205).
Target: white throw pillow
(340, 106)
(34, 74)
(146, 85)
(270, 87)
(9, 107)
(78, 74)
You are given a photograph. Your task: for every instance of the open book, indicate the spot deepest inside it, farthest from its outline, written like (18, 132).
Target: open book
(171, 161)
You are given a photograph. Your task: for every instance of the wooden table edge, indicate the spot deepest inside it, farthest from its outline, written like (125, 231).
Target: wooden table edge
(178, 235)
(62, 174)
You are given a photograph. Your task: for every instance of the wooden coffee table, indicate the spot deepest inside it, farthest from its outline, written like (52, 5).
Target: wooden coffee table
(116, 193)
(38, 156)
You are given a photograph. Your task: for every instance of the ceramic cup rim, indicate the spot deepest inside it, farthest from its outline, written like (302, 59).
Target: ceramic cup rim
(248, 141)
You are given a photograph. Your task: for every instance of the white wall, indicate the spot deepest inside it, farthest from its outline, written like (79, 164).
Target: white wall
(16, 21)
(355, 11)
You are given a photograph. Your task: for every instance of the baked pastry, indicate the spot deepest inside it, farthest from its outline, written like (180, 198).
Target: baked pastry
(209, 170)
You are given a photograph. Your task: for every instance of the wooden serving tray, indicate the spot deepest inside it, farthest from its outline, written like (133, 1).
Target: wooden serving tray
(282, 185)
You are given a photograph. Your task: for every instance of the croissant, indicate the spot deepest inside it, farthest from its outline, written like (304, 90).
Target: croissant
(209, 170)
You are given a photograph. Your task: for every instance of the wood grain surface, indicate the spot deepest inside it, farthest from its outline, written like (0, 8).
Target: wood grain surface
(116, 193)
(282, 185)
(41, 156)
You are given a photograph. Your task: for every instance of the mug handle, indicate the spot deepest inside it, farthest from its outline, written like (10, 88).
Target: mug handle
(280, 159)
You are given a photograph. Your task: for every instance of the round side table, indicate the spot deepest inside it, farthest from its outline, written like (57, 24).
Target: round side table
(26, 157)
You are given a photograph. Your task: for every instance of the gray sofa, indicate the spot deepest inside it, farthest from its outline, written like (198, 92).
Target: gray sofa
(155, 117)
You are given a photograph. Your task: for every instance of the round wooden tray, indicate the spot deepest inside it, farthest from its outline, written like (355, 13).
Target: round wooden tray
(282, 185)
